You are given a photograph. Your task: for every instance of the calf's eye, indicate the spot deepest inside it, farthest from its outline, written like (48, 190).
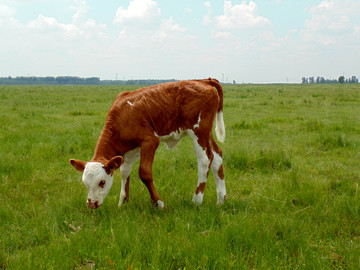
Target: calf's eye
(102, 183)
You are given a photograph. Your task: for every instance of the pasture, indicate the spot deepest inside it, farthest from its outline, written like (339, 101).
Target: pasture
(291, 163)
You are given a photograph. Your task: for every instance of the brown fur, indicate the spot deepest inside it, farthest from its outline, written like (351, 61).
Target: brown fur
(200, 188)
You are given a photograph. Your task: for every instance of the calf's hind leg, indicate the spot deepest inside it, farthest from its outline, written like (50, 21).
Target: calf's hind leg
(218, 171)
(204, 158)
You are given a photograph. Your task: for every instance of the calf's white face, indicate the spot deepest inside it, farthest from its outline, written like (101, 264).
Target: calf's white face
(97, 182)
(97, 178)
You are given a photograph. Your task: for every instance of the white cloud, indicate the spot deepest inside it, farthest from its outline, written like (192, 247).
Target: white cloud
(332, 21)
(208, 19)
(139, 12)
(51, 25)
(7, 17)
(24, 1)
(240, 16)
(240, 30)
(141, 24)
(171, 37)
(187, 10)
(171, 25)
(48, 46)
(81, 8)
(6, 11)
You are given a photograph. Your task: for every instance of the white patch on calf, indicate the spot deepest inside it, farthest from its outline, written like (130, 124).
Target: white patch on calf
(122, 192)
(94, 172)
(202, 158)
(220, 183)
(130, 103)
(172, 139)
(198, 198)
(197, 125)
(160, 204)
(130, 158)
(203, 164)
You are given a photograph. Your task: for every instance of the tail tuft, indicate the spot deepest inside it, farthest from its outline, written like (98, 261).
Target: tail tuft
(220, 127)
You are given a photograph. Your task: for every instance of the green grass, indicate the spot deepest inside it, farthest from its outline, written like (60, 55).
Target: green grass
(291, 159)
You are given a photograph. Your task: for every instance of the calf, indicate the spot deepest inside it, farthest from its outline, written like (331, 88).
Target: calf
(138, 121)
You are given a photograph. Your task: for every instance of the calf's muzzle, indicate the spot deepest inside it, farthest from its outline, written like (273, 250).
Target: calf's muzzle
(92, 205)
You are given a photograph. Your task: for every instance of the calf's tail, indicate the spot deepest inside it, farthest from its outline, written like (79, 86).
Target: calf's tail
(220, 125)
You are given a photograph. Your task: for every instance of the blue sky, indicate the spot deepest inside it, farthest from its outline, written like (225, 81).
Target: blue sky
(246, 41)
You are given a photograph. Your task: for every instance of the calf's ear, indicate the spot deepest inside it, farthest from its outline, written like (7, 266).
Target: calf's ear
(113, 164)
(78, 164)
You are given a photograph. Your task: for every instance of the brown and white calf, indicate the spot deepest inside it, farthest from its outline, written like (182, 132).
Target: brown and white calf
(138, 121)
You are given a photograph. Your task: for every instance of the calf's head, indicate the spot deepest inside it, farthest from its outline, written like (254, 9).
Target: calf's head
(98, 178)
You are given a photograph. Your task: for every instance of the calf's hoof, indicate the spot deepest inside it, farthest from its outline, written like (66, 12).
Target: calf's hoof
(198, 198)
(160, 204)
(123, 200)
(221, 198)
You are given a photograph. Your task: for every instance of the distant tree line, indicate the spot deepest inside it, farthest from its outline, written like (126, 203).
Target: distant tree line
(135, 82)
(342, 79)
(70, 80)
(61, 80)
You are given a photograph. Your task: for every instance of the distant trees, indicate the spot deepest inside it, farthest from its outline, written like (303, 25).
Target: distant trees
(135, 82)
(48, 80)
(70, 80)
(341, 79)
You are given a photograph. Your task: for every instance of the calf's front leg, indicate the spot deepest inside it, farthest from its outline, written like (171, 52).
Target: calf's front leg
(125, 183)
(129, 159)
(147, 154)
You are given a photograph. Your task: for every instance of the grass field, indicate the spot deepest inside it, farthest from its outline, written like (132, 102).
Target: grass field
(291, 158)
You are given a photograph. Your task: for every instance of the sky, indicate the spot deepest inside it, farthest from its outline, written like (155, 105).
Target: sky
(265, 41)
